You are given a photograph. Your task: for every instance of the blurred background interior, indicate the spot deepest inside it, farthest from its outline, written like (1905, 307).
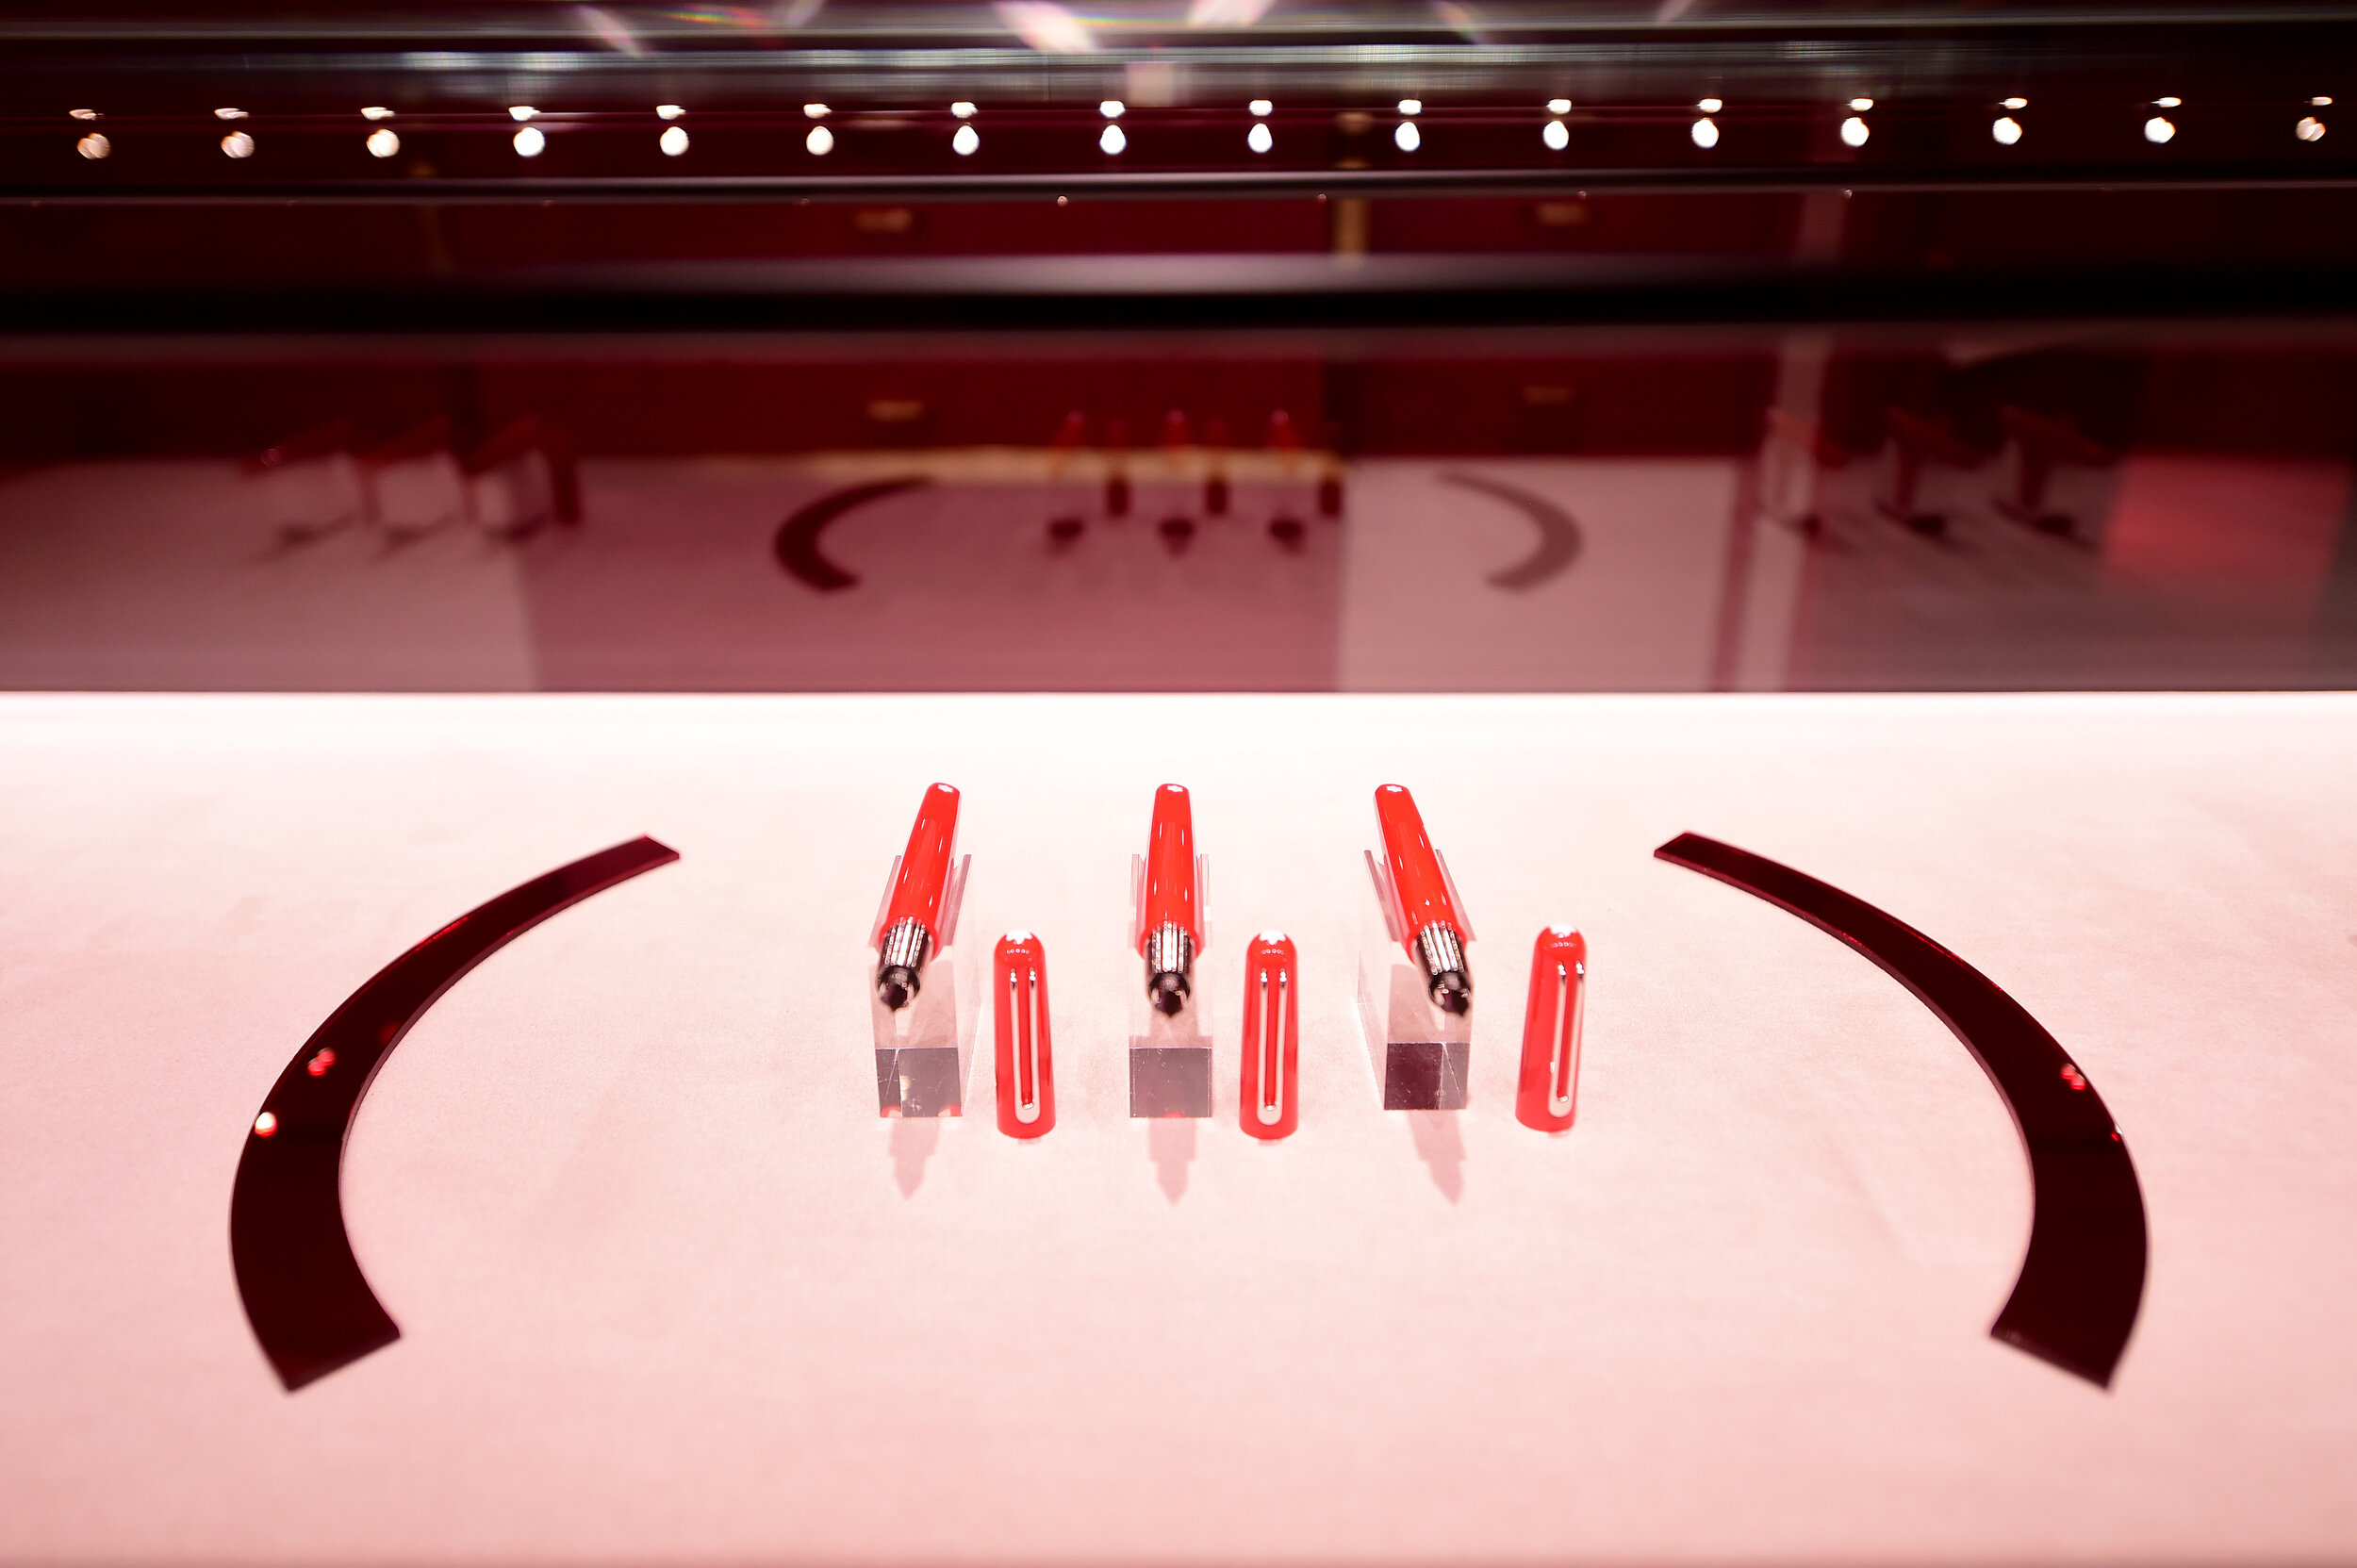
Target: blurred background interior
(1525, 345)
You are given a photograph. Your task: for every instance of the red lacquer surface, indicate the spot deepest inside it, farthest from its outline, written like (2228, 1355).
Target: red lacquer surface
(1022, 1048)
(1546, 1095)
(1415, 865)
(924, 877)
(1270, 1102)
(1170, 891)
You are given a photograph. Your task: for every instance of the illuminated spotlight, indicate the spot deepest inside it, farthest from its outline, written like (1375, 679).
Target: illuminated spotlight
(1556, 135)
(529, 142)
(1112, 141)
(1855, 132)
(815, 111)
(228, 114)
(2157, 130)
(1261, 109)
(1711, 106)
(1113, 109)
(521, 111)
(1407, 138)
(2321, 101)
(376, 112)
(383, 143)
(94, 147)
(265, 1123)
(669, 111)
(1412, 106)
(965, 141)
(1258, 140)
(962, 109)
(2015, 103)
(1706, 132)
(1559, 105)
(2168, 103)
(2309, 130)
(238, 144)
(673, 140)
(93, 114)
(2007, 129)
(1861, 104)
(820, 142)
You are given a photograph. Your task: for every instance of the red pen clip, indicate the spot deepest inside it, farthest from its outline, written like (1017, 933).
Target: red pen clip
(1547, 1096)
(1270, 1104)
(1025, 1056)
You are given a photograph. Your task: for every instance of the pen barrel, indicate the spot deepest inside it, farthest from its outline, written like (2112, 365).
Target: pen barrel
(1415, 865)
(924, 876)
(1171, 896)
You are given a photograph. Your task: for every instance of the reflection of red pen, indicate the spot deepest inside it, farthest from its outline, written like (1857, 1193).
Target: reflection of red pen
(1170, 927)
(911, 917)
(1432, 927)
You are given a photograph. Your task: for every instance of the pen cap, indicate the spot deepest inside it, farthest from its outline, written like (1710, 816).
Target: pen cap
(1418, 879)
(1547, 1092)
(924, 875)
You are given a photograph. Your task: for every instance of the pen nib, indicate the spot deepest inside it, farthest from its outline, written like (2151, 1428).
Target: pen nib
(896, 986)
(1168, 992)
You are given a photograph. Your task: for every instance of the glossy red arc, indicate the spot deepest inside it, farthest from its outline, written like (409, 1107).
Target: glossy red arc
(1023, 1049)
(1269, 1103)
(1546, 1095)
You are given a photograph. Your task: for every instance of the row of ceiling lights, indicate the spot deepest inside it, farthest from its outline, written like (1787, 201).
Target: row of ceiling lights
(530, 140)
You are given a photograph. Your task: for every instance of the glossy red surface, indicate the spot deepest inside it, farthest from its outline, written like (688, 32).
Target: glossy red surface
(1415, 865)
(924, 875)
(1269, 1104)
(1546, 1093)
(1023, 1047)
(1170, 891)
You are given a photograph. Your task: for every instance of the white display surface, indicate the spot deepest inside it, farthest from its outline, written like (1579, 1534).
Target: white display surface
(669, 1288)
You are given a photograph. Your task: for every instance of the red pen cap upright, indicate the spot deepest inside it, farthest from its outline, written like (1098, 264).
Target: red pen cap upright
(1023, 1053)
(1270, 1103)
(1547, 1095)
(1170, 891)
(924, 875)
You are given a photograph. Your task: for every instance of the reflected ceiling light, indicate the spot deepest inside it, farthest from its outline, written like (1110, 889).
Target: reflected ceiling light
(673, 140)
(2006, 129)
(1258, 140)
(962, 109)
(383, 143)
(668, 111)
(94, 147)
(529, 142)
(228, 114)
(2309, 130)
(1855, 132)
(2167, 103)
(376, 112)
(1556, 135)
(1712, 105)
(82, 113)
(2015, 103)
(1559, 105)
(1113, 109)
(520, 112)
(1112, 141)
(1047, 27)
(820, 142)
(965, 141)
(1861, 104)
(2321, 101)
(1705, 133)
(1227, 13)
(2157, 130)
(815, 111)
(1412, 106)
(1406, 137)
(1262, 108)
(238, 144)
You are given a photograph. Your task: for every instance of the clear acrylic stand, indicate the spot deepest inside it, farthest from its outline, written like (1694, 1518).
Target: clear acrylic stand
(1420, 1056)
(924, 1049)
(1170, 1054)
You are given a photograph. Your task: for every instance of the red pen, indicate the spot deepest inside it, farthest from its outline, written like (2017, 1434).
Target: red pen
(1170, 924)
(1432, 926)
(911, 927)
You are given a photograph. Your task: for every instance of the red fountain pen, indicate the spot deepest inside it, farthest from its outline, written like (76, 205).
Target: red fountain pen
(1170, 924)
(1432, 926)
(911, 927)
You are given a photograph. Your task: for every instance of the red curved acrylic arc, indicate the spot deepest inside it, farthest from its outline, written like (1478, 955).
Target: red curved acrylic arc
(2082, 1279)
(304, 1294)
